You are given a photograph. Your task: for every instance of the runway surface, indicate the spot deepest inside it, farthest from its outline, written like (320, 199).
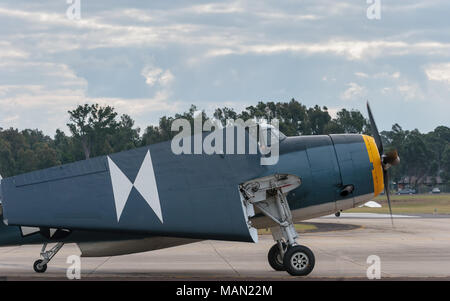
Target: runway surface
(417, 248)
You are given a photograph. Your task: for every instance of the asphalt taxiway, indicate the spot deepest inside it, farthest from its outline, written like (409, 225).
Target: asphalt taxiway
(418, 247)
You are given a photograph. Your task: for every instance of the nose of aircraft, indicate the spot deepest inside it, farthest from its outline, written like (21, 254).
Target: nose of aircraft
(375, 159)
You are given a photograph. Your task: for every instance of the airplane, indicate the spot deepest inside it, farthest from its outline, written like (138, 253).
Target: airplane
(150, 198)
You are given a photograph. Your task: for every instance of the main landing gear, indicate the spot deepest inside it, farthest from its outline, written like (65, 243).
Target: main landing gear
(297, 260)
(40, 265)
(268, 194)
(286, 254)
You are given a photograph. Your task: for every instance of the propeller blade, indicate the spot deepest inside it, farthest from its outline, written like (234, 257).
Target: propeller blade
(375, 133)
(386, 189)
(389, 159)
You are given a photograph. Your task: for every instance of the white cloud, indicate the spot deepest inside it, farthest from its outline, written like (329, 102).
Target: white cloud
(405, 87)
(354, 91)
(39, 75)
(216, 8)
(154, 75)
(386, 90)
(166, 78)
(53, 89)
(95, 32)
(333, 112)
(53, 105)
(409, 91)
(101, 31)
(350, 49)
(7, 51)
(137, 14)
(10, 119)
(9, 89)
(407, 7)
(361, 74)
(438, 72)
(394, 75)
(151, 75)
(203, 38)
(326, 78)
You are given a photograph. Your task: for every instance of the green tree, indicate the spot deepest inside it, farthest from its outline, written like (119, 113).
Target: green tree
(291, 115)
(96, 130)
(125, 136)
(7, 161)
(446, 163)
(44, 156)
(223, 114)
(317, 120)
(68, 150)
(437, 142)
(163, 132)
(91, 125)
(25, 151)
(348, 122)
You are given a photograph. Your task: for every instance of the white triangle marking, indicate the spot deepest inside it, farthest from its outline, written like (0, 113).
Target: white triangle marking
(146, 185)
(29, 230)
(121, 187)
(52, 232)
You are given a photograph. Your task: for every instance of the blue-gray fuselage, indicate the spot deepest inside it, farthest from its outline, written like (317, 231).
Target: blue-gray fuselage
(195, 192)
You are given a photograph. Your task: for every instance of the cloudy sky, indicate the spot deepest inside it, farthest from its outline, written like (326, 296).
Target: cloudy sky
(150, 58)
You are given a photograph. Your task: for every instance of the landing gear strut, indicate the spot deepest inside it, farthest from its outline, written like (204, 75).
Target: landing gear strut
(268, 194)
(40, 265)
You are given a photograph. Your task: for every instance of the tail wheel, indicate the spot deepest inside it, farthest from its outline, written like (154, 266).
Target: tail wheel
(275, 258)
(298, 260)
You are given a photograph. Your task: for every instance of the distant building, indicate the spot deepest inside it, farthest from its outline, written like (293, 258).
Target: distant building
(421, 184)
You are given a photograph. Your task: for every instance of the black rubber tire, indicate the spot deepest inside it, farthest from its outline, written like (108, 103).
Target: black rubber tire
(274, 258)
(39, 268)
(299, 260)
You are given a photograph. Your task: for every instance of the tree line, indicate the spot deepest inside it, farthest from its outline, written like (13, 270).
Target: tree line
(99, 130)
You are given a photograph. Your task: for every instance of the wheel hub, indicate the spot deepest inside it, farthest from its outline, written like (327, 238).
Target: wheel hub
(299, 261)
(279, 258)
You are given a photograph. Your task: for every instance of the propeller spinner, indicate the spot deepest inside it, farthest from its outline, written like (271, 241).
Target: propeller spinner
(388, 159)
